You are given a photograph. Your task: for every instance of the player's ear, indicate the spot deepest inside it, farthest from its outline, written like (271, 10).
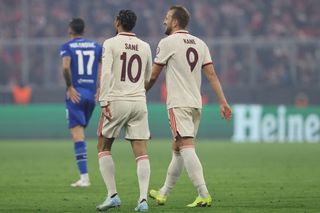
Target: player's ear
(70, 32)
(175, 23)
(116, 23)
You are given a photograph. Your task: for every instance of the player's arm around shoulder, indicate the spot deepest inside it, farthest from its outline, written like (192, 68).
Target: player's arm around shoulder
(155, 72)
(163, 53)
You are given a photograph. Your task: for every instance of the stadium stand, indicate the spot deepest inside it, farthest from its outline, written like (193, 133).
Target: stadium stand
(265, 45)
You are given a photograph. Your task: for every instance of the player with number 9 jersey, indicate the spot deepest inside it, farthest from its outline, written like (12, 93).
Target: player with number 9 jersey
(185, 56)
(188, 55)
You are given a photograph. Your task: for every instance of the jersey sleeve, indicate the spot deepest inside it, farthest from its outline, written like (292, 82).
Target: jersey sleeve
(147, 74)
(207, 57)
(65, 51)
(107, 60)
(163, 53)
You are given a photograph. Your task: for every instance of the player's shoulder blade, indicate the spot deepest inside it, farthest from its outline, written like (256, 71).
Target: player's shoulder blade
(95, 42)
(168, 39)
(111, 41)
(144, 43)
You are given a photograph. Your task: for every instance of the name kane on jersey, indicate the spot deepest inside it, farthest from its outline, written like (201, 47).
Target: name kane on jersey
(189, 41)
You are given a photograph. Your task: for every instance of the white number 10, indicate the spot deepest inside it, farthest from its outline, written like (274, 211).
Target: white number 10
(80, 55)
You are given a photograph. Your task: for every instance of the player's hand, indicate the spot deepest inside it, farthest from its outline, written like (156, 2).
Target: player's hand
(225, 111)
(73, 95)
(106, 112)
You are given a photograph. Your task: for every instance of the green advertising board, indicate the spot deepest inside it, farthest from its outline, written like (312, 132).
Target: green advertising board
(49, 121)
(250, 123)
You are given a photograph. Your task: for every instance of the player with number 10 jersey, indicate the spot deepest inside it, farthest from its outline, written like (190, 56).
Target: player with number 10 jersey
(126, 63)
(126, 66)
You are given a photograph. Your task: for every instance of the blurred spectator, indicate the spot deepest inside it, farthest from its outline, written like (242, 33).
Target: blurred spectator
(4, 69)
(301, 100)
(10, 63)
(21, 93)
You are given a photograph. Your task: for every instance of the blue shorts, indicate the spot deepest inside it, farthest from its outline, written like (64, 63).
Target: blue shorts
(79, 114)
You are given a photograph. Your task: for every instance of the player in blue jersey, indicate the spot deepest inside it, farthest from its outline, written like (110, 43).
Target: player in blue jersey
(81, 60)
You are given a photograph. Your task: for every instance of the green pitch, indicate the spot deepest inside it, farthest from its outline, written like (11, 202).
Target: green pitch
(35, 177)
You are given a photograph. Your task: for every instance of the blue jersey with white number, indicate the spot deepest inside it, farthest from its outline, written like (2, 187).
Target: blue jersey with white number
(85, 58)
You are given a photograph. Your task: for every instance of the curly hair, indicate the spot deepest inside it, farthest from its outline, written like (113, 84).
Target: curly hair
(127, 19)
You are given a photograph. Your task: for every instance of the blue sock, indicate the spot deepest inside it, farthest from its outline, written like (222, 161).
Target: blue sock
(80, 150)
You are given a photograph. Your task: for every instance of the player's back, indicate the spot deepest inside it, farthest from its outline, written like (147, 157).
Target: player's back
(126, 62)
(184, 55)
(85, 57)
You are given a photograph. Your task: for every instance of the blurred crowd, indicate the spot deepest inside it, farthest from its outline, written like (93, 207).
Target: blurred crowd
(210, 18)
(286, 34)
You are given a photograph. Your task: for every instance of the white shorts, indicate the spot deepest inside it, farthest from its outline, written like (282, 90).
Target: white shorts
(184, 121)
(132, 115)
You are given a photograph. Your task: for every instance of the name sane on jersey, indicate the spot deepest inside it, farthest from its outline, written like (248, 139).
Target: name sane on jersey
(131, 47)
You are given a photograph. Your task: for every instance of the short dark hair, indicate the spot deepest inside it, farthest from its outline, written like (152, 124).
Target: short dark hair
(127, 19)
(77, 25)
(181, 14)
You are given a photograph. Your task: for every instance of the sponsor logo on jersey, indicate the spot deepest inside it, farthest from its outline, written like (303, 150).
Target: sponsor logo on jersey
(85, 81)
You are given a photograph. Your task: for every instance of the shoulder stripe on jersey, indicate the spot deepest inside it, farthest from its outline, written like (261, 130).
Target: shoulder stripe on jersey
(160, 64)
(206, 64)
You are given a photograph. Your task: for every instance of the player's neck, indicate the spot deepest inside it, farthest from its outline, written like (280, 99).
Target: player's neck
(177, 29)
(75, 36)
(123, 31)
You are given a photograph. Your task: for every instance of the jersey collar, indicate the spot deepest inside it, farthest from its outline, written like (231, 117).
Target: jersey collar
(127, 34)
(181, 31)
